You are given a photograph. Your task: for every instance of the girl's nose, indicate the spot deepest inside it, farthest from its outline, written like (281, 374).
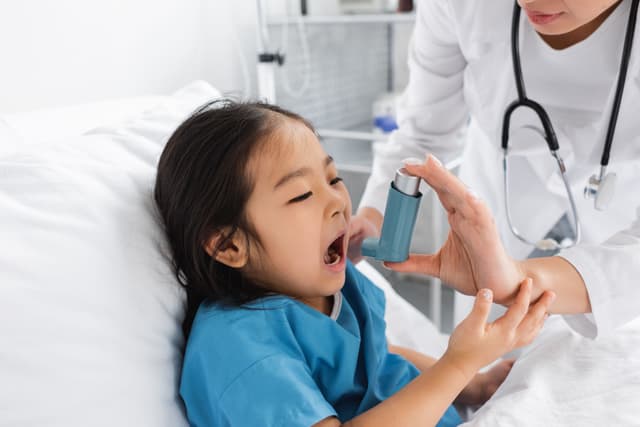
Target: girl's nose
(337, 202)
(338, 207)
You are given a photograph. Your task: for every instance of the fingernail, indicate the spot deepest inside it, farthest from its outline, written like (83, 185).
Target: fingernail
(486, 294)
(412, 161)
(435, 159)
(473, 194)
(553, 296)
(385, 266)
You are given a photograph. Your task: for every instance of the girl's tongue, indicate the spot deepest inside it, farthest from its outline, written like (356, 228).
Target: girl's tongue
(333, 255)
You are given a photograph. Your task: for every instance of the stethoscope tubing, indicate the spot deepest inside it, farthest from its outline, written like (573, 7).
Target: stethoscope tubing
(549, 132)
(523, 100)
(622, 77)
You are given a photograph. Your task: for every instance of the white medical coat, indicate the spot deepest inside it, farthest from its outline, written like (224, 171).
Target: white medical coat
(460, 67)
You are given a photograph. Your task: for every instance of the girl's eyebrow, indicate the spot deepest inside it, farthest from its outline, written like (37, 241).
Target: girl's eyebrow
(299, 172)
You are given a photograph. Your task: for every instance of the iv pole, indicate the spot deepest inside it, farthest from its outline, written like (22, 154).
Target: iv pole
(267, 60)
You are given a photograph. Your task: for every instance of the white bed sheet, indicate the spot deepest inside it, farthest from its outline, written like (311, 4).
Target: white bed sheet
(9, 139)
(564, 379)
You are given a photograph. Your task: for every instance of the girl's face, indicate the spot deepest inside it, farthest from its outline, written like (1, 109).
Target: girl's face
(300, 210)
(555, 17)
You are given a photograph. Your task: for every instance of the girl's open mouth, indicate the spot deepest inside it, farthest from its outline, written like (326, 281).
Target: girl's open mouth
(335, 252)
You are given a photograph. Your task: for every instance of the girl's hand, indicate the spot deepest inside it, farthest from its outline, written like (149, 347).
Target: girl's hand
(484, 384)
(360, 228)
(472, 257)
(475, 343)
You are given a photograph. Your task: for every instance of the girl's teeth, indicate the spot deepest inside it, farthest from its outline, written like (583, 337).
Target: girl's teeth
(331, 257)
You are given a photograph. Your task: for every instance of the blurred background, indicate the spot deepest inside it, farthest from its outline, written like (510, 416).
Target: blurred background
(339, 63)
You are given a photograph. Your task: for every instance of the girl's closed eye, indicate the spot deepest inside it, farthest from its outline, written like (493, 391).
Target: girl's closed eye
(308, 194)
(301, 197)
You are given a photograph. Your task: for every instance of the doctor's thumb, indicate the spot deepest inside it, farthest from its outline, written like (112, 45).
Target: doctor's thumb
(423, 169)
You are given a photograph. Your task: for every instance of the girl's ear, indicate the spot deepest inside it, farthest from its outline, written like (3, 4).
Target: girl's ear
(233, 252)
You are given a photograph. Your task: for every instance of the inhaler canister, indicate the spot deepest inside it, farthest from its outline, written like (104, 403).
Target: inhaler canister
(399, 220)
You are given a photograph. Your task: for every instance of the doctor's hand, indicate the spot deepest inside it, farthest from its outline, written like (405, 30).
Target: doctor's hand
(473, 256)
(367, 223)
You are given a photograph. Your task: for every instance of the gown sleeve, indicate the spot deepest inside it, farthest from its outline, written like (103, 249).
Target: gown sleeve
(275, 391)
(611, 271)
(432, 109)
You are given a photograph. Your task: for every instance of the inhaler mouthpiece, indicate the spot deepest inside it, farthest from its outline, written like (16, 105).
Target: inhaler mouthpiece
(399, 220)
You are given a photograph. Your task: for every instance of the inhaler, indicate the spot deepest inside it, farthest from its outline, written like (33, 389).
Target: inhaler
(399, 220)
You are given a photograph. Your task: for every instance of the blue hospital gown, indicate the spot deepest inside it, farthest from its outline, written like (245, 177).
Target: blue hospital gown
(279, 362)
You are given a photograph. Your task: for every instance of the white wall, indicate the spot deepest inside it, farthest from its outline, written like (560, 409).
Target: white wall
(71, 51)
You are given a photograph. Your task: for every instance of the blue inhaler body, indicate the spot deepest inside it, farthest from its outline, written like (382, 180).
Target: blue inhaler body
(399, 220)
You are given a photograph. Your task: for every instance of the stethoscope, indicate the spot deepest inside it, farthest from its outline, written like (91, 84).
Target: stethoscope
(600, 186)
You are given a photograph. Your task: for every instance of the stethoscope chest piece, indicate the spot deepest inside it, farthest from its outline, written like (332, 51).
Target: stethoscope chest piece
(601, 189)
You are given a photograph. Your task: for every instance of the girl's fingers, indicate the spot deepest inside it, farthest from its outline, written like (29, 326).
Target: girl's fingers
(417, 263)
(518, 310)
(481, 307)
(534, 320)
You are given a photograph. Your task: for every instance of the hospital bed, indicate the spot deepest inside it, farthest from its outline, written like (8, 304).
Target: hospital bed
(90, 314)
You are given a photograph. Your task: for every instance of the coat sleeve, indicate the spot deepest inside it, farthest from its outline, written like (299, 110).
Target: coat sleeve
(432, 109)
(611, 273)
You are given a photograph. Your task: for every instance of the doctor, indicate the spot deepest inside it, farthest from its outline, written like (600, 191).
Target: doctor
(541, 86)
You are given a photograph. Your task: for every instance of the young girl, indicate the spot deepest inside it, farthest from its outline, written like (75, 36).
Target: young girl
(282, 329)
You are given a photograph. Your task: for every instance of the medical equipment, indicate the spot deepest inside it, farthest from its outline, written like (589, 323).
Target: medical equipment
(362, 6)
(267, 59)
(384, 113)
(399, 220)
(600, 187)
(306, 58)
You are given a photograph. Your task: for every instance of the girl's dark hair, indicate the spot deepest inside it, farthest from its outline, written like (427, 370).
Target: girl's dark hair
(202, 186)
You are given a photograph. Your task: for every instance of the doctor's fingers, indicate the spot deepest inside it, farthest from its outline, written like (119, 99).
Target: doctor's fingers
(417, 263)
(453, 194)
(530, 326)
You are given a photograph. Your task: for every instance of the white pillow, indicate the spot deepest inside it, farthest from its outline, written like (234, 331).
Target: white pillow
(51, 125)
(90, 313)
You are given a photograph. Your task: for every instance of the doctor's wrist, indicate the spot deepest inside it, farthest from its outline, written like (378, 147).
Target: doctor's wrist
(557, 274)
(514, 273)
